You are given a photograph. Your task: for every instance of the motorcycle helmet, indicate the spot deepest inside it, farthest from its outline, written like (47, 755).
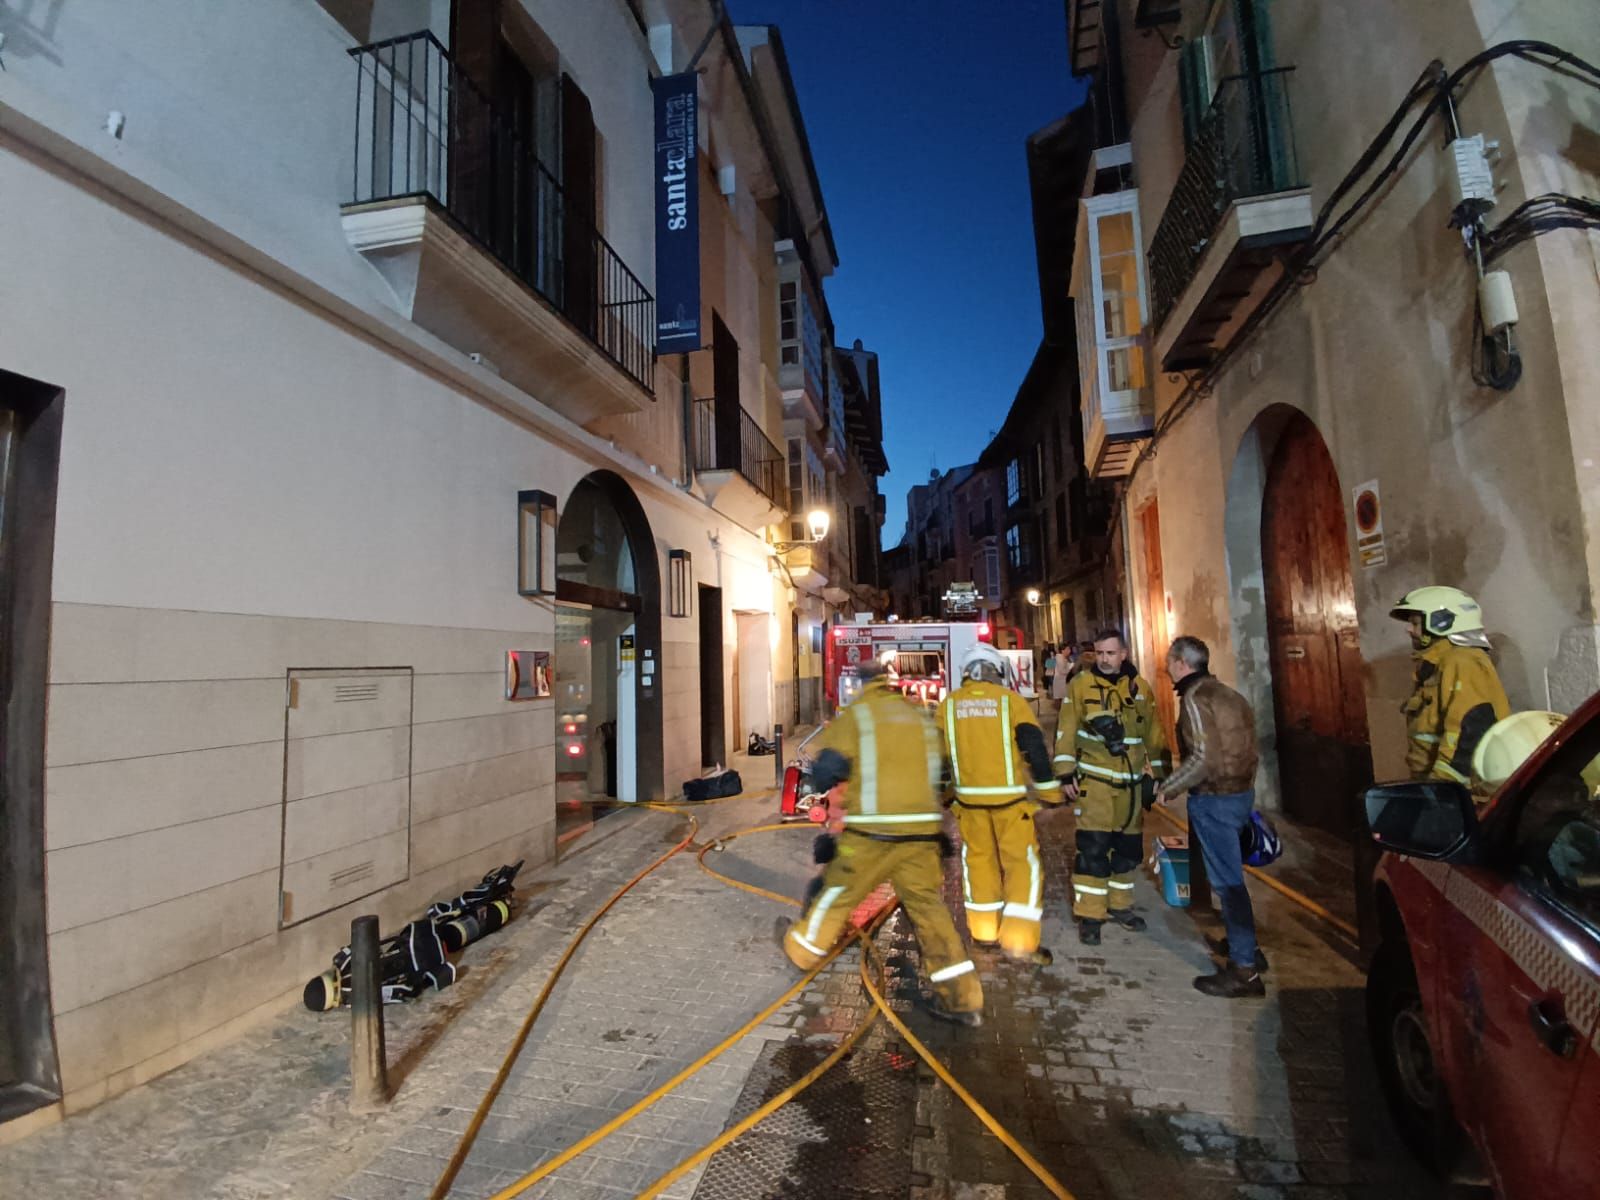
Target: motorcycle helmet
(1259, 843)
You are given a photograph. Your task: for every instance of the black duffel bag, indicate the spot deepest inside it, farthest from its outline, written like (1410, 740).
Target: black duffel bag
(713, 787)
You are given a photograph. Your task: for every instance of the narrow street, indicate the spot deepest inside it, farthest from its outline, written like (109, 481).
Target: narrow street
(440, 438)
(1105, 1065)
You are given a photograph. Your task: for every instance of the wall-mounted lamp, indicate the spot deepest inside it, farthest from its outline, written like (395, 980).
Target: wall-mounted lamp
(536, 544)
(680, 582)
(817, 521)
(1032, 595)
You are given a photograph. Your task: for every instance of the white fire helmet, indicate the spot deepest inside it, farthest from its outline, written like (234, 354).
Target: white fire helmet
(984, 656)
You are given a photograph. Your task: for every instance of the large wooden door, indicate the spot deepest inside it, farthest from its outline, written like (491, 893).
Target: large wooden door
(1157, 635)
(1324, 759)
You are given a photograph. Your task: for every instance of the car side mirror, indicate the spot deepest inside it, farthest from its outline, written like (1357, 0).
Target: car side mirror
(1423, 818)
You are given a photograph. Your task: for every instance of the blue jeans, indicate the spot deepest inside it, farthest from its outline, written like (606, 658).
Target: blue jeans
(1216, 821)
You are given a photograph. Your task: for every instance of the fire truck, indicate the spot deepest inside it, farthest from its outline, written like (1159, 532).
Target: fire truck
(923, 656)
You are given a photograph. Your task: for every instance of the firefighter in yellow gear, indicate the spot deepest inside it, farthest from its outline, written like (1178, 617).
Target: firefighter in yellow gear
(886, 752)
(1108, 740)
(1456, 693)
(996, 749)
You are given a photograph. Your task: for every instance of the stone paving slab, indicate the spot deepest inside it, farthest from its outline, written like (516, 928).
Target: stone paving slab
(1107, 1065)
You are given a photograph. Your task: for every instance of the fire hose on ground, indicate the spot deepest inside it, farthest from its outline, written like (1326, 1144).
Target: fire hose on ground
(874, 991)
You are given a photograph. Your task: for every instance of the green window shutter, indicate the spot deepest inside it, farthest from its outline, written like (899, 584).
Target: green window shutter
(1193, 87)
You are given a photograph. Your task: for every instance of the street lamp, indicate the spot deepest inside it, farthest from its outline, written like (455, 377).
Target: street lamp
(816, 524)
(1032, 595)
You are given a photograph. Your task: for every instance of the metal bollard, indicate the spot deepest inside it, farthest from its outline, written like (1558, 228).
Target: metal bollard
(369, 1068)
(777, 754)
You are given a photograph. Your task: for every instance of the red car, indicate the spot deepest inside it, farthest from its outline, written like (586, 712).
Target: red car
(1483, 998)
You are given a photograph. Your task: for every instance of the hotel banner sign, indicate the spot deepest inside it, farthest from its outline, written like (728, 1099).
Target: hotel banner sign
(677, 214)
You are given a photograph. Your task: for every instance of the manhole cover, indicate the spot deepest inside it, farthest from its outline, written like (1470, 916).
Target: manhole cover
(846, 1137)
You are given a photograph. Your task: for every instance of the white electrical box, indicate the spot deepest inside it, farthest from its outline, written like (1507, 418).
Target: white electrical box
(1474, 182)
(1496, 301)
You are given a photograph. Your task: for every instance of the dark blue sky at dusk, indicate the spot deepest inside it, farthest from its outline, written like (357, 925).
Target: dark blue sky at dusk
(918, 111)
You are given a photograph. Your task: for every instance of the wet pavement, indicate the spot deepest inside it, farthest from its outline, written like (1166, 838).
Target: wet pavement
(1119, 1077)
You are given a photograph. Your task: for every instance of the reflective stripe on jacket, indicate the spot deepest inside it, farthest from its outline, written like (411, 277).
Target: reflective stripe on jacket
(978, 723)
(1456, 695)
(895, 762)
(1079, 750)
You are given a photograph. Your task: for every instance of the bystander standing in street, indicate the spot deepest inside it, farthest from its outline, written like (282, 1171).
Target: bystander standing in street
(1049, 667)
(1217, 767)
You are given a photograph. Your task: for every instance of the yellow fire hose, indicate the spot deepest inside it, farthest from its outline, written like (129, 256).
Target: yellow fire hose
(1300, 898)
(464, 1147)
(880, 1005)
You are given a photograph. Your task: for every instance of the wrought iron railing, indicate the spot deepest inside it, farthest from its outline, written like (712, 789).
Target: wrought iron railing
(423, 130)
(720, 446)
(1244, 146)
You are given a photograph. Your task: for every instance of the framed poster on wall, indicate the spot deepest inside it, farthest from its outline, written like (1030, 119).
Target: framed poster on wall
(527, 674)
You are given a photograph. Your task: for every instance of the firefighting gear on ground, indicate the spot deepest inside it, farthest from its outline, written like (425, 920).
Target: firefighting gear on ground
(998, 764)
(1109, 742)
(417, 958)
(887, 755)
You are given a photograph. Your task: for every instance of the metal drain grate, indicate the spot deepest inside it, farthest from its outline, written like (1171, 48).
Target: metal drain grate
(847, 1137)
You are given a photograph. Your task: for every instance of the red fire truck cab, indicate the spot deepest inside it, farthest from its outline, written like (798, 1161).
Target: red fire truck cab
(1483, 998)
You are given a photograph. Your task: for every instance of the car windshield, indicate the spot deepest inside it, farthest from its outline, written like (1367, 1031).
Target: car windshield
(1557, 840)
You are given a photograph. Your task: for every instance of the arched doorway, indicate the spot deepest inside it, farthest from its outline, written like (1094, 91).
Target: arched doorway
(1313, 641)
(607, 653)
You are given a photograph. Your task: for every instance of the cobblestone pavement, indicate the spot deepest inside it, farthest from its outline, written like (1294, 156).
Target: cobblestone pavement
(1107, 1065)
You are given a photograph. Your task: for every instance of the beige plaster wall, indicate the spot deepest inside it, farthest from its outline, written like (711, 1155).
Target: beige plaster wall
(1489, 491)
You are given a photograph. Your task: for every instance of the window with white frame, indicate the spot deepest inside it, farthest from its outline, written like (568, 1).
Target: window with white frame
(789, 323)
(1111, 317)
(807, 487)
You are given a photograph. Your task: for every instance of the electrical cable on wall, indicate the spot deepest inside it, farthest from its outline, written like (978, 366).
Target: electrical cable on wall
(1495, 364)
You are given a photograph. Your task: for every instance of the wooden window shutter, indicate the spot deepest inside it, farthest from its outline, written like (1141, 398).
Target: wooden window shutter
(578, 184)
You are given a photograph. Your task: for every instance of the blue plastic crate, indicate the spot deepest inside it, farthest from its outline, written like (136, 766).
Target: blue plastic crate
(1172, 869)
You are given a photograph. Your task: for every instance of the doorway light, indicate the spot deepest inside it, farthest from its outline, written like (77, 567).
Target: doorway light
(680, 582)
(536, 544)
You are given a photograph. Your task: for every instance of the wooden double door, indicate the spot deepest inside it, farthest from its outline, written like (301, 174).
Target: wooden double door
(1324, 757)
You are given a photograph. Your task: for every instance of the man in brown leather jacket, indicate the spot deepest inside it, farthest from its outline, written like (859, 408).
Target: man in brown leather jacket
(1217, 741)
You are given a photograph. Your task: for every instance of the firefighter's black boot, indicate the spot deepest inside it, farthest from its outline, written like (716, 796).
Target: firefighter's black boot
(1089, 932)
(1034, 958)
(1128, 919)
(937, 1008)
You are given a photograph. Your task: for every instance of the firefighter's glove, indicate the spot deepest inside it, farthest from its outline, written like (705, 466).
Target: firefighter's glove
(1147, 791)
(824, 849)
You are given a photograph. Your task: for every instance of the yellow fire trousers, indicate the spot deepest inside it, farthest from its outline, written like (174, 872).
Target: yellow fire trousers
(1110, 846)
(860, 865)
(1002, 879)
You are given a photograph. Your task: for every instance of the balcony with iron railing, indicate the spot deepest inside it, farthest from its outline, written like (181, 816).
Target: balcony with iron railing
(483, 244)
(1236, 213)
(738, 466)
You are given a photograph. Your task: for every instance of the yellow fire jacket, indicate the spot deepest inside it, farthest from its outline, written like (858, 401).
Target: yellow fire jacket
(1456, 695)
(895, 762)
(1081, 750)
(986, 731)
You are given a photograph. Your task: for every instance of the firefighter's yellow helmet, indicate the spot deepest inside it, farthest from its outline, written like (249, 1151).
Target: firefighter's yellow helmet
(1444, 610)
(1507, 744)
